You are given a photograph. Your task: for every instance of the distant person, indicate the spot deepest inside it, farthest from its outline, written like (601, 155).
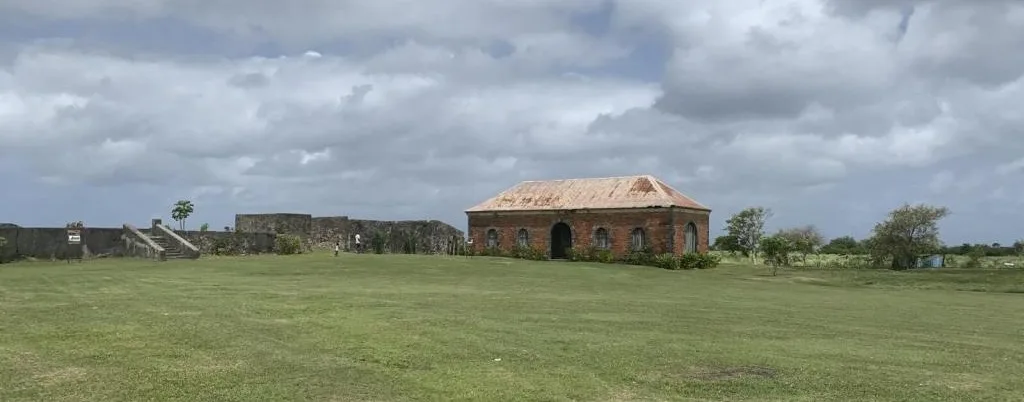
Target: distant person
(337, 248)
(359, 244)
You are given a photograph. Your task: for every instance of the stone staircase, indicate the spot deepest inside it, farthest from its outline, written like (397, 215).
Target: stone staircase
(174, 252)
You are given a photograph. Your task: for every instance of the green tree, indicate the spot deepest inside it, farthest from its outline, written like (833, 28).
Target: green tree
(204, 227)
(843, 245)
(3, 242)
(747, 226)
(728, 243)
(1018, 247)
(775, 250)
(908, 232)
(804, 240)
(181, 211)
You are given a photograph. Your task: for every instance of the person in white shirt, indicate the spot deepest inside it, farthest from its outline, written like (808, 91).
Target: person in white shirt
(337, 248)
(359, 244)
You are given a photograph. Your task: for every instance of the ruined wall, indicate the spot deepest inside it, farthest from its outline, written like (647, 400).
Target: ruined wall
(393, 236)
(296, 224)
(52, 243)
(330, 229)
(230, 243)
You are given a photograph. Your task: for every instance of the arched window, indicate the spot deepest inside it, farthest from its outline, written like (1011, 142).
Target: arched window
(691, 238)
(638, 239)
(523, 238)
(601, 238)
(492, 238)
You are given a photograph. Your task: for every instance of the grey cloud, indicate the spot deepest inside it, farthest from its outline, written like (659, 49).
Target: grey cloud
(799, 111)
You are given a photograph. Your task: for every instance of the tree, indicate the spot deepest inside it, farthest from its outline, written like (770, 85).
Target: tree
(182, 210)
(1018, 246)
(747, 226)
(804, 240)
(3, 242)
(728, 243)
(843, 245)
(776, 251)
(204, 227)
(909, 231)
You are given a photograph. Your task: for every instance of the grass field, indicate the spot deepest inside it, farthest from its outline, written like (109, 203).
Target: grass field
(386, 327)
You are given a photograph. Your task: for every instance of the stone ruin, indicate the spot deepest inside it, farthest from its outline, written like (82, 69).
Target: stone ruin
(411, 237)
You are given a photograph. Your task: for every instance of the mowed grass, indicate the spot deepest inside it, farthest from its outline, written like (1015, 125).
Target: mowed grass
(391, 328)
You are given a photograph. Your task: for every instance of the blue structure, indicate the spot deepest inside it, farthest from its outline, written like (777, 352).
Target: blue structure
(931, 261)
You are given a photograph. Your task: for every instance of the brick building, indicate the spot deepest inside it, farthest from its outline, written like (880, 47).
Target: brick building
(615, 213)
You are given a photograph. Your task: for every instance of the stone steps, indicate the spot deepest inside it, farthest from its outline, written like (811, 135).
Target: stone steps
(173, 252)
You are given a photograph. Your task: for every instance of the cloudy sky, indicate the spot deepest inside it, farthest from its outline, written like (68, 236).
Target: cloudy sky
(830, 112)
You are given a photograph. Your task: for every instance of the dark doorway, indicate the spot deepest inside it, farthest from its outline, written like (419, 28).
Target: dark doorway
(561, 239)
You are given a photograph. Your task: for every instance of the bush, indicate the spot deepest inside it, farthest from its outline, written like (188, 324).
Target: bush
(687, 261)
(604, 256)
(377, 242)
(225, 246)
(491, 252)
(667, 261)
(529, 253)
(974, 258)
(288, 244)
(643, 256)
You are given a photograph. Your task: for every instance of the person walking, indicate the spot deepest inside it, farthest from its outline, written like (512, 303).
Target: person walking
(359, 244)
(337, 248)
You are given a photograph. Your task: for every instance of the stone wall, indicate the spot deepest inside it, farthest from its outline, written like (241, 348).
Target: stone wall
(324, 232)
(296, 224)
(417, 237)
(52, 243)
(230, 243)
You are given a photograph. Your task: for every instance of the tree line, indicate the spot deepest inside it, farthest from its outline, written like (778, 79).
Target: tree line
(908, 233)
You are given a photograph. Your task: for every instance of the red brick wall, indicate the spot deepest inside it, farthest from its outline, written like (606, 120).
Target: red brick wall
(703, 222)
(658, 225)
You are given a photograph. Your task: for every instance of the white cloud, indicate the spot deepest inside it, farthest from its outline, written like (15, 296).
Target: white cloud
(432, 108)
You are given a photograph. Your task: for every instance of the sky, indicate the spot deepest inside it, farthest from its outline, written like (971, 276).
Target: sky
(828, 112)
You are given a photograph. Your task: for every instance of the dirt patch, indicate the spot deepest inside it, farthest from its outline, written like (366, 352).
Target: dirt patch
(60, 376)
(961, 382)
(734, 373)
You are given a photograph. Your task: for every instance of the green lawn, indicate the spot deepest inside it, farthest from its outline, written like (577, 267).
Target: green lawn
(369, 327)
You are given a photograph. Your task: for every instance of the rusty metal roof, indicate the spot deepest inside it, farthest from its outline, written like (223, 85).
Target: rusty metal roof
(597, 193)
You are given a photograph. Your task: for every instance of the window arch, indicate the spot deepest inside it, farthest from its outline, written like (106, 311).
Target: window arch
(492, 238)
(523, 238)
(638, 239)
(601, 239)
(691, 238)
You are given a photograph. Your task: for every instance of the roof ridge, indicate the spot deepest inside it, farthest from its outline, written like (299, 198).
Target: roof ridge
(589, 178)
(680, 193)
(657, 187)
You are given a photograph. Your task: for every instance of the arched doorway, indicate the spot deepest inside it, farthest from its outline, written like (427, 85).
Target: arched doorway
(691, 238)
(561, 239)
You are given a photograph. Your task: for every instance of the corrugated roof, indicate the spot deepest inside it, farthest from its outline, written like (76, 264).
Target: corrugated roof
(597, 193)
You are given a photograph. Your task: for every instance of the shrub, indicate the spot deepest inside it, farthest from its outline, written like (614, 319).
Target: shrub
(491, 252)
(378, 242)
(604, 256)
(687, 261)
(228, 245)
(529, 253)
(974, 258)
(288, 244)
(643, 256)
(700, 261)
(667, 261)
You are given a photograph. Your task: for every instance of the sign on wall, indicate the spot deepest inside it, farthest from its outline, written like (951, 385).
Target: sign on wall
(74, 236)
